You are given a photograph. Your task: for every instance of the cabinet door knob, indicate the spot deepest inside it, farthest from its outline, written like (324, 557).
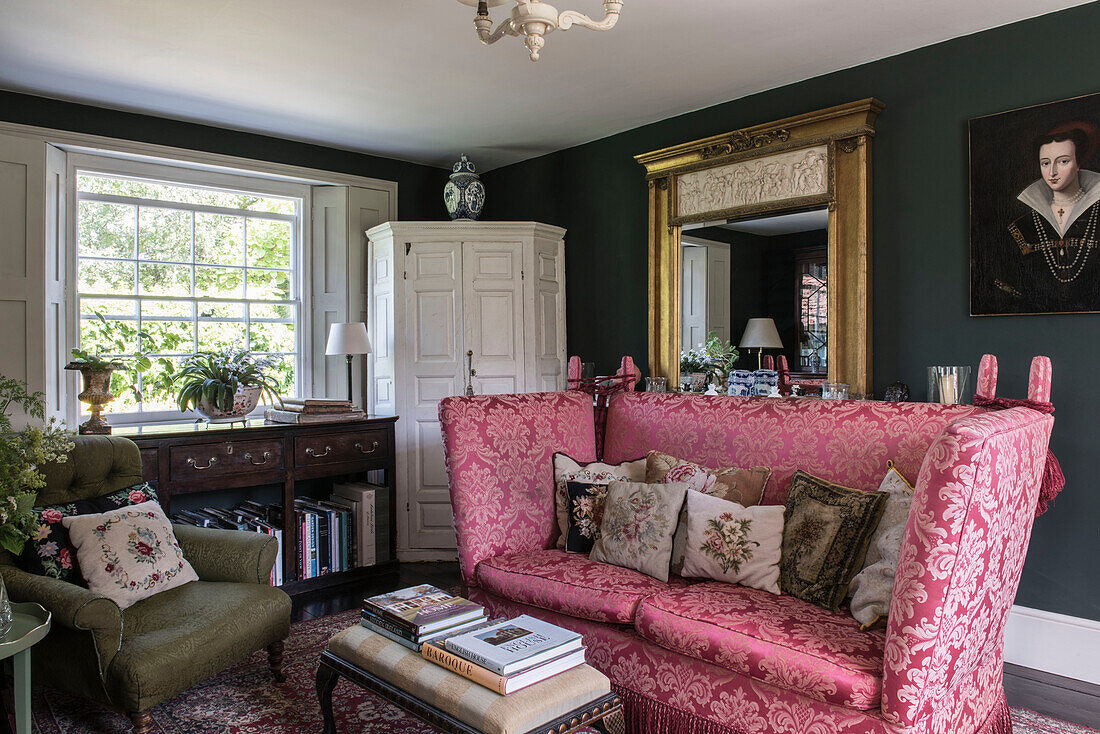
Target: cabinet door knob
(371, 450)
(194, 464)
(249, 459)
(310, 452)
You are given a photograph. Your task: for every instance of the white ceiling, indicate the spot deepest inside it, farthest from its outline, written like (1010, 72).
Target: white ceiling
(408, 78)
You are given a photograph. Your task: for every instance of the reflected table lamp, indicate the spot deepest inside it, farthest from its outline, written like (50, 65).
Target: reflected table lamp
(349, 340)
(761, 334)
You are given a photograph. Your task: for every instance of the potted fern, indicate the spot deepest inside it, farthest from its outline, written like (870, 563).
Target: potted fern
(225, 386)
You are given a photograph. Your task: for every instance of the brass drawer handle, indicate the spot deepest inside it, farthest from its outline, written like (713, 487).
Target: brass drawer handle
(314, 454)
(194, 465)
(249, 459)
(371, 450)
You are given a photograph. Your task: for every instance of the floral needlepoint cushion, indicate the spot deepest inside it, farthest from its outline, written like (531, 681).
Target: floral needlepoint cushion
(49, 552)
(826, 531)
(586, 504)
(129, 553)
(873, 587)
(638, 523)
(731, 543)
(566, 469)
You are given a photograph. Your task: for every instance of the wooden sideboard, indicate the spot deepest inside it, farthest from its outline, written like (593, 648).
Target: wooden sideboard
(202, 457)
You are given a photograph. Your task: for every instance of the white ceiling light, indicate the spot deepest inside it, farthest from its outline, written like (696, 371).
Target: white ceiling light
(534, 19)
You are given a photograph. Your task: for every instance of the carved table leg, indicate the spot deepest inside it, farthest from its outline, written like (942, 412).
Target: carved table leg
(326, 681)
(275, 660)
(613, 723)
(142, 721)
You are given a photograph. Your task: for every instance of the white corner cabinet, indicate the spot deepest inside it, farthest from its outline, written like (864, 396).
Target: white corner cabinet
(451, 305)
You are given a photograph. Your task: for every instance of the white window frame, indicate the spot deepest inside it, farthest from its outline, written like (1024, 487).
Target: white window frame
(186, 174)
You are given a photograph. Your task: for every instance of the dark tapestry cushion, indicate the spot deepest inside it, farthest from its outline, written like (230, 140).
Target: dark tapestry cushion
(49, 551)
(586, 503)
(826, 531)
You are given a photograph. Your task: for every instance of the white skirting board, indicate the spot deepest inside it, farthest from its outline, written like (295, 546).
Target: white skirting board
(1054, 643)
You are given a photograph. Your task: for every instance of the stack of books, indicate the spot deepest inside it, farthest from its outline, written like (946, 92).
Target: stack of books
(420, 614)
(252, 516)
(504, 656)
(314, 410)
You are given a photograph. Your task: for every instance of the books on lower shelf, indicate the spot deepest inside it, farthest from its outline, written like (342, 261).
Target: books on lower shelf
(251, 516)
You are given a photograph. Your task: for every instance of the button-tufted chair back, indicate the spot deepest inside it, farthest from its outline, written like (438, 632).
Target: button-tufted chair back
(96, 466)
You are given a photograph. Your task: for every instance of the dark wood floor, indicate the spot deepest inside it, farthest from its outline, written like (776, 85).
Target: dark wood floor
(1062, 698)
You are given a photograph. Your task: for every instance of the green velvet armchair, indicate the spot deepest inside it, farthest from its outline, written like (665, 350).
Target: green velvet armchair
(133, 659)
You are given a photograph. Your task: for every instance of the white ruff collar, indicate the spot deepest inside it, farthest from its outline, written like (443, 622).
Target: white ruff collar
(1040, 198)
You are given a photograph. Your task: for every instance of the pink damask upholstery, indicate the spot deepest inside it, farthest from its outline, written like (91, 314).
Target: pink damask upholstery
(959, 569)
(570, 583)
(843, 441)
(1038, 384)
(986, 386)
(773, 638)
(499, 451)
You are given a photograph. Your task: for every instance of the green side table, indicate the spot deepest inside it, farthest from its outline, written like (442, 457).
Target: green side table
(31, 624)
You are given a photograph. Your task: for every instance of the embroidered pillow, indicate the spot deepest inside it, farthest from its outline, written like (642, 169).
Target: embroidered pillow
(826, 531)
(48, 552)
(638, 523)
(873, 587)
(586, 505)
(731, 543)
(567, 470)
(130, 553)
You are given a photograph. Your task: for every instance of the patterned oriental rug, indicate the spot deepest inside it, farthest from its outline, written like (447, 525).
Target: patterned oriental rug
(245, 700)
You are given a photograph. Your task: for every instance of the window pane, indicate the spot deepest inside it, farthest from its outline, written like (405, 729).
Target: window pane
(164, 280)
(219, 239)
(122, 383)
(107, 306)
(268, 243)
(273, 337)
(219, 282)
(222, 311)
(106, 230)
(105, 276)
(112, 338)
(169, 337)
(100, 184)
(268, 285)
(152, 309)
(272, 311)
(215, 336)
(155, 393)
(283, 374)
(164, 234)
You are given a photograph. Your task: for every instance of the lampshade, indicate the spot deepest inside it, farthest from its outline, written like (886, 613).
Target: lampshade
(348, 339)
(761, 333)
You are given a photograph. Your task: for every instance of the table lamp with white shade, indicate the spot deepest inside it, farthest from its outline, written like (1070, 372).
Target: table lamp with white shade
(761, 334)
(349, 340)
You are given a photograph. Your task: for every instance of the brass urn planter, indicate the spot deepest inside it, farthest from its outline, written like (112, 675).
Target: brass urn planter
(96, 393)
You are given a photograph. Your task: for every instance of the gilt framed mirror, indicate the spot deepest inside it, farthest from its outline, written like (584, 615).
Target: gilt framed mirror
(789, 177)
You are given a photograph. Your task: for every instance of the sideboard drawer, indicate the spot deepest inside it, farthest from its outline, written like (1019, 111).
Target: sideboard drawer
(202, 461)
(340, 447)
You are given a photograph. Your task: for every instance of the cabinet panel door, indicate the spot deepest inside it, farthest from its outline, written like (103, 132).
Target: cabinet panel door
(433, 370)
(492, 274)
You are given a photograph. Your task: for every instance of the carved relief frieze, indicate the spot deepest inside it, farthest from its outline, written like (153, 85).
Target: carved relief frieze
(789, 175)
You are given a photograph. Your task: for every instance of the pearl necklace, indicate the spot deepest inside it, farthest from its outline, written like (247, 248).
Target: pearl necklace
(1079, 262)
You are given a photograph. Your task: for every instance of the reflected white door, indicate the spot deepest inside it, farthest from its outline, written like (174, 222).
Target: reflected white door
(693, 310)
(718, 290)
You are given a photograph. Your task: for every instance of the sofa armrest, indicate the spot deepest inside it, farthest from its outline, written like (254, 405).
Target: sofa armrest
(71, 606)
(228, 555)
(959, 569)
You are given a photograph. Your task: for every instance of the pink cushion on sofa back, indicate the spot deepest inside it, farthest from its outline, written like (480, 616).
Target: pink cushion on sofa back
(844, 441)
(499, 451)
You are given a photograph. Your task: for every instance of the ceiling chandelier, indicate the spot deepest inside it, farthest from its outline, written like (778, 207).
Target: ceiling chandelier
(534, 19)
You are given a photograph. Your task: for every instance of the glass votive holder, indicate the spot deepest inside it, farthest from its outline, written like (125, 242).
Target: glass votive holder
(948, 384)
(834, 390)
(656, 384)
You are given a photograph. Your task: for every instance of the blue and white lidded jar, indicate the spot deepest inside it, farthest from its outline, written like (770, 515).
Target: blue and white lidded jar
(764, 381)
(464, 194)
(740, 383)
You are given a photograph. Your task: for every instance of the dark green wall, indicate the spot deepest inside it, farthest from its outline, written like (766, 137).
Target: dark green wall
(419, 188)
(921, 245)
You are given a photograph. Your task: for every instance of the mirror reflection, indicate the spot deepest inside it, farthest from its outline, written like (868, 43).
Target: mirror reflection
(761, 284)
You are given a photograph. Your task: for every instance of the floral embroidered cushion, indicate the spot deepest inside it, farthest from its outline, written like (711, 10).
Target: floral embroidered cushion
(638, 523)
(586, 504)
(872, 587)
(826, 531)
(732, 543)
(49, 552)
(729, 483)
(566, 470)
(129, 553)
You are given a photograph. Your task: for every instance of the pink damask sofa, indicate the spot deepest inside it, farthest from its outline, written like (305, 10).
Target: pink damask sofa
(709, 657)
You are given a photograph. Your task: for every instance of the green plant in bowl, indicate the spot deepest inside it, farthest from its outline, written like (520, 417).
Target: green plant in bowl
(213, 378)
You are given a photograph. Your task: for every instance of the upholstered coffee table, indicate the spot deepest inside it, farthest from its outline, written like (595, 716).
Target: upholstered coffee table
(567, 702)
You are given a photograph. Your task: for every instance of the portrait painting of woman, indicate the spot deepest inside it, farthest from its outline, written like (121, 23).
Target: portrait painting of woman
(1034, 246)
